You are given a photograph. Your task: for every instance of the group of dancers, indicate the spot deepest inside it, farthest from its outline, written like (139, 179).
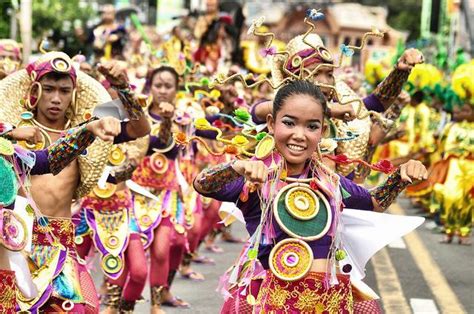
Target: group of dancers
(101, 164)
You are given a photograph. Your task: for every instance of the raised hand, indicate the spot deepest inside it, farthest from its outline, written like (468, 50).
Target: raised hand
(166, 110)
(254, 171)
(413, 169)
(32, 135)
(409, 59)
(115, 72)
(105, 129)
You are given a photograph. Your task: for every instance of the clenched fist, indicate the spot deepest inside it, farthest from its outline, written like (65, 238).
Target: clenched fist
(409, 59)
(115, 72)
(254, 171)
(413, 169)
(166, 110)
(31, 135)
(105, 129)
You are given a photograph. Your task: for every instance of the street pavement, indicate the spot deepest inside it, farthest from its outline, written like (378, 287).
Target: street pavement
(415, 274)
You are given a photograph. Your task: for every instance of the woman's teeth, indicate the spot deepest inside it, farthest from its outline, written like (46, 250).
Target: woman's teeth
(296, 147)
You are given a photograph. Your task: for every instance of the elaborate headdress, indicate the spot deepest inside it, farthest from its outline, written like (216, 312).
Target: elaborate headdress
(12, 56)
(16, 106)
(298, 59)
(11, 46)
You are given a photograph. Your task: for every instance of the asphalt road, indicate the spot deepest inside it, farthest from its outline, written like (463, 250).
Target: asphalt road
(416, 274)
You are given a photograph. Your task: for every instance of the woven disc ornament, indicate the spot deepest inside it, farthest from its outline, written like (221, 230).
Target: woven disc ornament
(116, 156)
(159, 163)
(301, 212)
(106, 192)
(8, 183)
(265, 147)
(14, 231)
(291, 259)
(111, 264)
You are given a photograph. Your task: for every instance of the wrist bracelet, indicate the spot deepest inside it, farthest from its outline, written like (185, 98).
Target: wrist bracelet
(387, 192)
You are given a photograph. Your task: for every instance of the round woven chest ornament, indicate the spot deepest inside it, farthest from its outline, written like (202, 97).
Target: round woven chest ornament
(158, 163)
(302, 203)
(111, 264)
(106, 192)
(8, 183)
(116, 156)
(265, 147)
(291, 259)
(14, 231)
(301, 212)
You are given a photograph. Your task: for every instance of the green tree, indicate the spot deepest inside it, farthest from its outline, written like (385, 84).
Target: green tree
(5, 5)
(402, 14)
(57, 18)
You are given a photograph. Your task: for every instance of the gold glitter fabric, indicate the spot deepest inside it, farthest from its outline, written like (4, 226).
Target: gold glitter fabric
(7, 291)
(307, 295)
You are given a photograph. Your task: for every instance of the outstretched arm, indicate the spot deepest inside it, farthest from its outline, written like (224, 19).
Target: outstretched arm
(391, 86)
(138, 126)
(386, 193)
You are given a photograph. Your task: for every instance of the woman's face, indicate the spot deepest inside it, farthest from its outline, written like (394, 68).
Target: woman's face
(297, 129)
(163, 87)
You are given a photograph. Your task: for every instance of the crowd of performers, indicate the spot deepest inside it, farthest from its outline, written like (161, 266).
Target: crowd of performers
(283, 135)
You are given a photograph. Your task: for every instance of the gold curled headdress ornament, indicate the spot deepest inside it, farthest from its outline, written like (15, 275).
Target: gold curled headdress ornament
(11, 46)
(10, 59)
(298, 60)
(175, 56)
(14, 90)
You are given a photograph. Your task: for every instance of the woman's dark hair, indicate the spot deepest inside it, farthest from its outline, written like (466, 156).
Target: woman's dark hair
(161, 69)
(418, 97)
(299, 87)
(210, 36)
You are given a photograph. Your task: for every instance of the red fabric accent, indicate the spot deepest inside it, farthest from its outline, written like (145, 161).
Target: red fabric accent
(44, 68)
(304, 295)
(61, 228)
(167, 252)
(7, 291)
(237, 303)
(367, 307)
(137, 271)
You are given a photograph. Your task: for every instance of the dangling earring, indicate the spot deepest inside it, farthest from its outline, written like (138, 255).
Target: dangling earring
(319, 155)
(30, 106)
(265, 147)
(73, 102)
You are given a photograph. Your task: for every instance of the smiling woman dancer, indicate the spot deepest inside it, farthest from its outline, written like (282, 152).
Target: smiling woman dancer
(292, 204)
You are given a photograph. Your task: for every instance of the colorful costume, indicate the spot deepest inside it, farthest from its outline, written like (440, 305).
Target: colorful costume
(286, 239)
(15, 232)
(165, 217)
(297, 223)
(64, 284)
(452, 195)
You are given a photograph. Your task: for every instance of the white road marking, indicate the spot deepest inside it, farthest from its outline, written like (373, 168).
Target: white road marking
(423, 306)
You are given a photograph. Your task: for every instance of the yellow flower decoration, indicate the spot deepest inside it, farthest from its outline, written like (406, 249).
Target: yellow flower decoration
(425, 75)
(239, 141)
(202, 124)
